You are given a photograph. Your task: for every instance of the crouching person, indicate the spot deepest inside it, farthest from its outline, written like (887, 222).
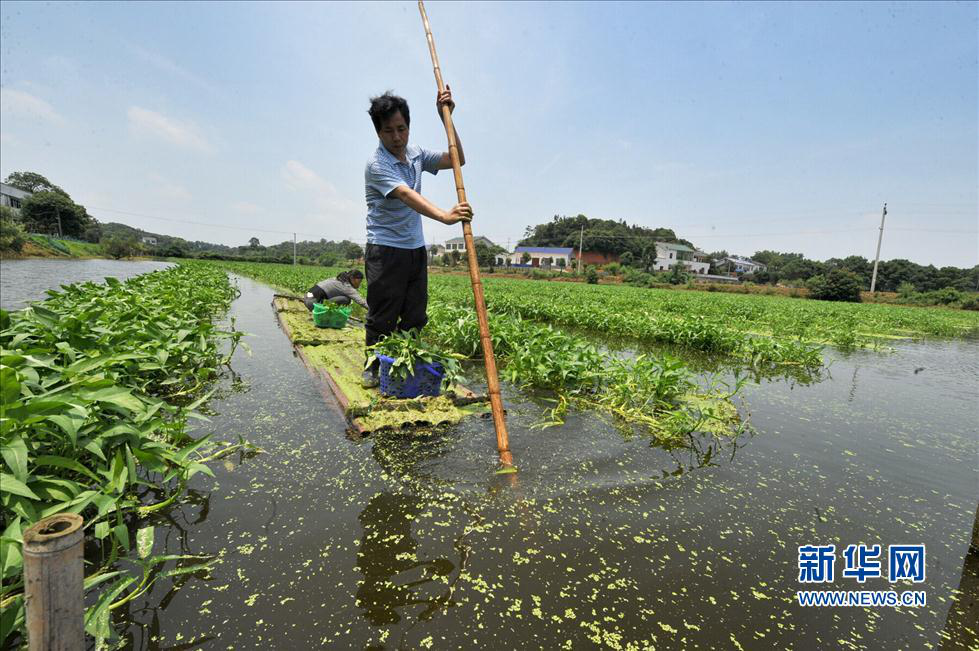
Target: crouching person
(340, 290)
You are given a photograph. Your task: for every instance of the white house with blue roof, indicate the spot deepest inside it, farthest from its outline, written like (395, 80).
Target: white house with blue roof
(542, 256)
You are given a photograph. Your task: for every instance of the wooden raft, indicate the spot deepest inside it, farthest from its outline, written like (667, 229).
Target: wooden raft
(336, 359)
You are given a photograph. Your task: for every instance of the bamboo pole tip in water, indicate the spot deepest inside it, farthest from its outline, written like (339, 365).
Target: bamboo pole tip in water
(53, 533)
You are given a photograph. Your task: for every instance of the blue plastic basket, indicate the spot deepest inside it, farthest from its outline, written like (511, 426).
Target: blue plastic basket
(427, 380)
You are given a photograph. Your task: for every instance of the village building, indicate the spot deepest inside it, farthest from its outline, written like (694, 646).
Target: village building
(546, 257)
(459, 243)
(12, 197)
(669, 254)
(736, 265)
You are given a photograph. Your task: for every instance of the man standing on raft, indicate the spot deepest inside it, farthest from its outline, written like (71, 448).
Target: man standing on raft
(395, 256)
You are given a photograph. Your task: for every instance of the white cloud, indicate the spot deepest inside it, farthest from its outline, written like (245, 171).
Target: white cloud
(167, 189)
(19, 102)
(298, 177)
(184, 135)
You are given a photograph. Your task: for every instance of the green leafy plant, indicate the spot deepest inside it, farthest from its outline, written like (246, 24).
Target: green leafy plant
(97, 383)
(331, 307)
(409, 351)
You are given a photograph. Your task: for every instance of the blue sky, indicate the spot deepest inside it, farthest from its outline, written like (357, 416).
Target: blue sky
(741, 126)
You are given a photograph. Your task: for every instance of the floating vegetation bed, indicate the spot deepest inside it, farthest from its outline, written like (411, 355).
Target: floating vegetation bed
(656, 395)
(335, 357)
(98, 383)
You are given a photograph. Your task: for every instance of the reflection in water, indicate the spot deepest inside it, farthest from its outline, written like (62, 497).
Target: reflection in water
(176, 524)
(394, 577)
(700, 450)
(399, 571)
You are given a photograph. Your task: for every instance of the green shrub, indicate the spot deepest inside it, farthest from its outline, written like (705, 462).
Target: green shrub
(591, 275)
(118, 248)
(12, 235)
(905, 291)
(944, 296)
(970, 303)
(837, 285)
(636, 277)
(678, 275)
(613, 268)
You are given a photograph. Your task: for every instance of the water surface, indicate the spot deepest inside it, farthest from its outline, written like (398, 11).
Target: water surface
(601, 539)
(22, 281)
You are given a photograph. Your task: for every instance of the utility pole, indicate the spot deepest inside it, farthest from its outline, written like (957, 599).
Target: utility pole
(293, 249)
(57, 212)
(581, 245)
(873, 279)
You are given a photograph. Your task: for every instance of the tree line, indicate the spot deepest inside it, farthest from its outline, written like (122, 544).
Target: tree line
(635, 248)
(891, 274)
(601, 235)
(50, 210)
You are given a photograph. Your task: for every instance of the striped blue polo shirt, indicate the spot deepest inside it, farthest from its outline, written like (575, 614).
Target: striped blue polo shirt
(390, 221)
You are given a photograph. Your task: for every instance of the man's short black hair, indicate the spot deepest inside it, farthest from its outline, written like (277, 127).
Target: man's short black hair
(384, 107)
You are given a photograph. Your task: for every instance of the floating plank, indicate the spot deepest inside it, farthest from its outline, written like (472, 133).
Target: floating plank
(336, 358)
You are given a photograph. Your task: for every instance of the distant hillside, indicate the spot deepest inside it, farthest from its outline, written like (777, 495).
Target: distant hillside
(601, 235)
(325, 252)
(115, 229)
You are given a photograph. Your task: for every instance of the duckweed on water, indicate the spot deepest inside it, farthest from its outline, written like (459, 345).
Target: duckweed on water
(600, 540)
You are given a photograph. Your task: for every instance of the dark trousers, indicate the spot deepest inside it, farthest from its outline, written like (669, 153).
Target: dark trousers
(397, 290)
(317, 295)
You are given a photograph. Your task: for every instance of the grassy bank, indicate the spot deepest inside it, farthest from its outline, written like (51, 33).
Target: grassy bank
(44, 246)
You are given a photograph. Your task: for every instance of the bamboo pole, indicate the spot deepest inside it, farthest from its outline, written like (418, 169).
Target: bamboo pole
(53, 584)
(492, 379)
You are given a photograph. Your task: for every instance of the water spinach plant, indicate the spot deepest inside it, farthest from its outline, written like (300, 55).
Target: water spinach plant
(409, 351)
(762, 330)
(656, 394)
(98, 382)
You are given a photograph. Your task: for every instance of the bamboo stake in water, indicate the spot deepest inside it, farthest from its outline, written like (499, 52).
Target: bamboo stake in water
(492, 379)
(53, 584)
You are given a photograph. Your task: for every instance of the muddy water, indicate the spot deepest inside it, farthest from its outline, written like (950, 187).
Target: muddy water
(22, 281)
(601, 539)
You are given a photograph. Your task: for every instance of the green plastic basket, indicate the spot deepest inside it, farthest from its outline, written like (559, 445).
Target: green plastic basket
(330, 317)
